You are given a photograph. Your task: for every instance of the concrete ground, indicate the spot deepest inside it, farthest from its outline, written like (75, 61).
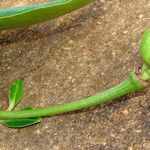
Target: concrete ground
(75, 56)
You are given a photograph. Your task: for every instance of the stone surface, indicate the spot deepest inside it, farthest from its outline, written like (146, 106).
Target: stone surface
(72, 57)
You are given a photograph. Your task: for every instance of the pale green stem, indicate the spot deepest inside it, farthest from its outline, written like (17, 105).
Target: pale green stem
(129, 85)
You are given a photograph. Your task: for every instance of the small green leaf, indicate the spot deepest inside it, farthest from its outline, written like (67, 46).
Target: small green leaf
(15, 93)
(21, 123)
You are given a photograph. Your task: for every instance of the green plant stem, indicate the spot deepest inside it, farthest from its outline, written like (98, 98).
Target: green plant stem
(10, 108)
(32, 14)
(129, 85)
(145, 72)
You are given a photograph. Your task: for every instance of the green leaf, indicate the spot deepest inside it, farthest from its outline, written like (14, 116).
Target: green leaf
(15, 93)
(32, 14)
(21, 123)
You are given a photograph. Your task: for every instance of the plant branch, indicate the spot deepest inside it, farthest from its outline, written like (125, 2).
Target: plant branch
(129, 85)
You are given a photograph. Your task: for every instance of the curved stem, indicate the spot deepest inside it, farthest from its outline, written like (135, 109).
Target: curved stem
(32, 14)
(129, 85)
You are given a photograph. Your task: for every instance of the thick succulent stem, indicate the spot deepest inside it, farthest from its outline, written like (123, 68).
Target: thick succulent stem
(145, 48)
(129, 85)
(145, 72)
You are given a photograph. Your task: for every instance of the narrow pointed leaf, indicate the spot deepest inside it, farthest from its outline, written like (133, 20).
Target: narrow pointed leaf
(15, 93)
(21, 123)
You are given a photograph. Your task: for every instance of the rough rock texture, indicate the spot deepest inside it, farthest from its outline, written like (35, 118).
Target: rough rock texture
(72, 57)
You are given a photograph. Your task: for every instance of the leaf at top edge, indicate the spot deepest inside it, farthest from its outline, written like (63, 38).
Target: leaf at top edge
(15, 94)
